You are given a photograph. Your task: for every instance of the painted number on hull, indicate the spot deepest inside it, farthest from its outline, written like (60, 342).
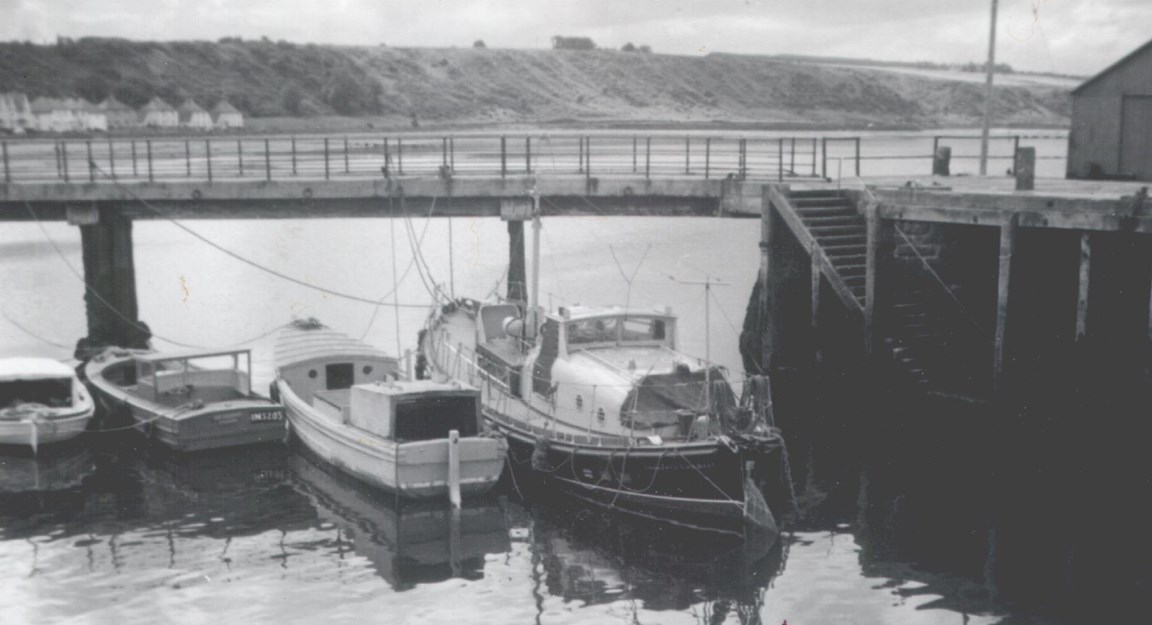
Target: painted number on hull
(261, 417)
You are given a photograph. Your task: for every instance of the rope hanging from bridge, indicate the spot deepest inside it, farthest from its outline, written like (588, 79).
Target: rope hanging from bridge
(250, 262)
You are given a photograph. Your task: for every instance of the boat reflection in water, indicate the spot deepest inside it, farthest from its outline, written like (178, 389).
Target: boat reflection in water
(55, 468)
(407, 542)
(598, 557)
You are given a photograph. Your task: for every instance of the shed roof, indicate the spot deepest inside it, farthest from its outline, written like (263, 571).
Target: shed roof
(303, 341)
(1115, 66)
(223, 106)
(156, 104)
(12, 369)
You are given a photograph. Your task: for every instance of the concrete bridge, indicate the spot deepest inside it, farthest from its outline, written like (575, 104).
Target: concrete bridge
(954, 282)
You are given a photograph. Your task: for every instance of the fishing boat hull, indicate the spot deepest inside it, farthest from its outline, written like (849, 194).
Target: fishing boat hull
(416, 470)
(713, 483)
(190, 423)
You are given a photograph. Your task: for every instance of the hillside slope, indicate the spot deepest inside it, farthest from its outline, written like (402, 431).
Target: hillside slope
(264, 78)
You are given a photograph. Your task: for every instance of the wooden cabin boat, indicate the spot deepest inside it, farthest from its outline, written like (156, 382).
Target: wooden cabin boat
(346, 404)
(41, 401)
(600, 404)
(189, 400)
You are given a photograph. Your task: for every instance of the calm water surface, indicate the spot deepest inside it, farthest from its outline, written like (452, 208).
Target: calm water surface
(107, 532)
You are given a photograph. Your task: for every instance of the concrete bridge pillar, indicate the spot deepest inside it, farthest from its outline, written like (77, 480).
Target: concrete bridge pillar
(110, 275)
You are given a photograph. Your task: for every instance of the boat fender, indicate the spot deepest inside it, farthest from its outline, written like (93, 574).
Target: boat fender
(540, 455)
(421, 368)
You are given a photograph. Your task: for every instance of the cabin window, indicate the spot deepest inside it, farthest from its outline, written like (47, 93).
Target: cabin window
(592, 331)
(54, 393)
(312, 374)
(367, 369)
(432, 419)
(340, 375)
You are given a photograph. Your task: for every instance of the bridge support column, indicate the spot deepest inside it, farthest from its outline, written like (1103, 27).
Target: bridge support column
(110, 273)
(1007, 250)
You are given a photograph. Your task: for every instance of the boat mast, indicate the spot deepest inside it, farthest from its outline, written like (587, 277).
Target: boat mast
(534, 293)
(708, 283)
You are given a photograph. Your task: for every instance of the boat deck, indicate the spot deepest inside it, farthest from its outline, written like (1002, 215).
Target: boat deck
(459, 332)
(175, 399)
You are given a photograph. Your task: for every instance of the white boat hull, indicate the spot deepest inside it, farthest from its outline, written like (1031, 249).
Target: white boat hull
(418, 470)
(46, 429)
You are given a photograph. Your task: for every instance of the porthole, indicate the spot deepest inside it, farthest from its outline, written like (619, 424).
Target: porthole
(312, 373)
(367, 369)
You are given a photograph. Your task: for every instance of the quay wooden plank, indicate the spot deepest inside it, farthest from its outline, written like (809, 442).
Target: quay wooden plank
(1007, 250)
(1082, 297)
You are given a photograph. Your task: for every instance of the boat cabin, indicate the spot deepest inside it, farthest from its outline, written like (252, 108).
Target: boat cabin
(404, 411)
(41, 381)
(174, 378)
(313, 358)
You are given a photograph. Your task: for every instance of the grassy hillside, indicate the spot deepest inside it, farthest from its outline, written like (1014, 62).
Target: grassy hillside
(479, 86)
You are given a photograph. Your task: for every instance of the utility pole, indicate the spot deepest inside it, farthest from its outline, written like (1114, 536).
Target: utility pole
(991, 69)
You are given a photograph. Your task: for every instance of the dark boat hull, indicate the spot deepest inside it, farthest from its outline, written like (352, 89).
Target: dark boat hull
(695, 485)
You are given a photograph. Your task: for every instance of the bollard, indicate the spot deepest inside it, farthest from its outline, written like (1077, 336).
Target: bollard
(1025, 168)
(454, 468)
(647, 157)
(707, 157)
(941, 161)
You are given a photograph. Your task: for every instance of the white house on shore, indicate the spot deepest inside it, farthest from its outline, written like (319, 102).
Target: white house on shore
(119, 115)
(158, 113)
(88, 116)
(224, 115)
(194, 116)
(16, 113)
(54, 115)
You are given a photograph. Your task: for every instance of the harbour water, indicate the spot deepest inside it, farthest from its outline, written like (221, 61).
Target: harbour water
(930, 523)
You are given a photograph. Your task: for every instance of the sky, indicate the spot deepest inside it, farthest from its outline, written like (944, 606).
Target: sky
(1078, 37)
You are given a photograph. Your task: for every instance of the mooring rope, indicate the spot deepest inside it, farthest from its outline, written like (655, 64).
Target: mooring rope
(250, 262)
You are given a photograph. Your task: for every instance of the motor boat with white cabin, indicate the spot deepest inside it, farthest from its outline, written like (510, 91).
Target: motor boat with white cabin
(346, 402)
(41, 401)
(188, 400)
(599, 402)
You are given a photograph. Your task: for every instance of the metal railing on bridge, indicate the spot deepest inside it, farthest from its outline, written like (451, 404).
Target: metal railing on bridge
(279, 157)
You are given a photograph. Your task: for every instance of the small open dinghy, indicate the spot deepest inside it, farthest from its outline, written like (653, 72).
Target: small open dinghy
(189, 400)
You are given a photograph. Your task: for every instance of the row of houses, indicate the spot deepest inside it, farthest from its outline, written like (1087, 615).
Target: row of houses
(18, 115)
